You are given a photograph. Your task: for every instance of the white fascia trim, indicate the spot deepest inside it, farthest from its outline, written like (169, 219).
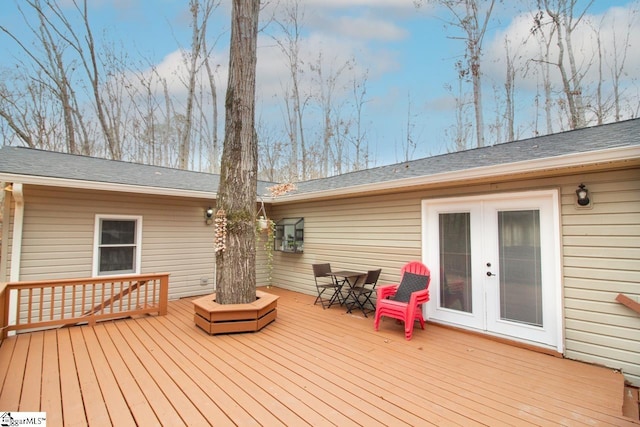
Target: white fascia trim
(105, 186)
(527, 166)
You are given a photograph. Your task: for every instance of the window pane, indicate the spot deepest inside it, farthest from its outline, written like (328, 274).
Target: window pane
(117, 232)
(520, 267)
(117, 259)
(455, 261)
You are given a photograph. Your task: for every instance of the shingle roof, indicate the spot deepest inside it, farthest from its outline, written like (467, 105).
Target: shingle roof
(39, 163)
(49, 164)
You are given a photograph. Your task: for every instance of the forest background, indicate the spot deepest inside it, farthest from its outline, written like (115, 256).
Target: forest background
(342, 85)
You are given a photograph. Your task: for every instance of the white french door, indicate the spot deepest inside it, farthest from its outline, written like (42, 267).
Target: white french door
(495, 264)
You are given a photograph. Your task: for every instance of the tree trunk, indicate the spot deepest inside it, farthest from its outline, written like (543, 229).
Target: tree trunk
(236, 278)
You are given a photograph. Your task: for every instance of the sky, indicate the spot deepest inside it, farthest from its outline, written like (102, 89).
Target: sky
(408, 55)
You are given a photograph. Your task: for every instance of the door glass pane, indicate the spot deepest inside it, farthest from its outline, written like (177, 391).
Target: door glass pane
(520, 267)
(455, 261)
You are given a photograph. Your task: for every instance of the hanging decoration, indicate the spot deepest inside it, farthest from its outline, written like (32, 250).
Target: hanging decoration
(263, 221)
(221, 231)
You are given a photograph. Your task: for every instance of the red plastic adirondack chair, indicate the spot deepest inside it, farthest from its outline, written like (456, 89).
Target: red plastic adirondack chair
(403, 301)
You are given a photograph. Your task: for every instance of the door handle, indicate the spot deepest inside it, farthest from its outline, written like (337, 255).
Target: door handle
(489, 274)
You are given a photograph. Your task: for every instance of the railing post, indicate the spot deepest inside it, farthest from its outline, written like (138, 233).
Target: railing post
(3, 313)
(164, 295)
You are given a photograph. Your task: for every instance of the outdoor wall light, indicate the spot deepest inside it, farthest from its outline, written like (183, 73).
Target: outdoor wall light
(208, 215)
(583, 195)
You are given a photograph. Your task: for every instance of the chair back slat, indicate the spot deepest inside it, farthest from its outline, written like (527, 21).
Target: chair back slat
(372, 277)
(415, 267)
(321, 270)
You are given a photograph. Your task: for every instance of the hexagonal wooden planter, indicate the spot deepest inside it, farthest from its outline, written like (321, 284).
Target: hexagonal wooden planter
(216, 318)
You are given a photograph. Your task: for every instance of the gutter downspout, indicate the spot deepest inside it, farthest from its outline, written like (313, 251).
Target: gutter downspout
(16, 249)
(16, 240)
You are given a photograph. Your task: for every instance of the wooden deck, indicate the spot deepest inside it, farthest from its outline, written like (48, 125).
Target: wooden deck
(309, 367)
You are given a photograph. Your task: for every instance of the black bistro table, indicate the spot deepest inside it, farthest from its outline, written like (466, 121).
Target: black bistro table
(350, 279)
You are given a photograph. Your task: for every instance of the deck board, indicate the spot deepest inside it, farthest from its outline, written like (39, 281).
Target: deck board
(31, 384)
(195, 399)
(138, 404)
(51, 400)
(115, 403)
(73, 409)
(95, 407)
(162, 407)
(309, 367)
(12, 387)
(213, 386)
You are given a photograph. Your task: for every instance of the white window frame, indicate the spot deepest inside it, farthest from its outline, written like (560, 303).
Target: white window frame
(96, 243)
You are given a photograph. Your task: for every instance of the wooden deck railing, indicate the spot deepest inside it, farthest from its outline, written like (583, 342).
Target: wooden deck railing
(625, 300)
(66, 302)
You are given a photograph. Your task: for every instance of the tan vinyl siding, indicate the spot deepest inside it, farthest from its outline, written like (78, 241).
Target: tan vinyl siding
(602, 259)
(354, 234)
(262, 274)
(59, 232)
(601, 253)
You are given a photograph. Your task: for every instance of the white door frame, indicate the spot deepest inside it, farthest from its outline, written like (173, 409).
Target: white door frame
(552, 291)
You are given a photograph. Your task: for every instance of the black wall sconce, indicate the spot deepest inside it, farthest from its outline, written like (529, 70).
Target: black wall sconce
(208, 216)
(583, 196)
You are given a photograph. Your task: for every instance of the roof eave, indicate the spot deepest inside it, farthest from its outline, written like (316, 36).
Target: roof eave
(611, 155)
(104, 186)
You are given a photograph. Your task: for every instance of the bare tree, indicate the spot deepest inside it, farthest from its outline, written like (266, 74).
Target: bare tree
(52, 72)
(273, 156)
(460, 132)
(613, 58)
(564, 21)
(235, 273)
(545, 69)
(358, 135)
(214, 152)
(509, 92)
(291, 26)
(200, 13)
(409, 143)
(466, 15)
(17, 116)
(332, 148)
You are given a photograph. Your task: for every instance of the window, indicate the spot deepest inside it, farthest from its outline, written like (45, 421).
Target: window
(117, 247)
(289, 235)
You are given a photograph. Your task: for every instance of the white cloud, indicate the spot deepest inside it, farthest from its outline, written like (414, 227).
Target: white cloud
(343, 4)
(333, 53)
(367, 28)
(614, 27)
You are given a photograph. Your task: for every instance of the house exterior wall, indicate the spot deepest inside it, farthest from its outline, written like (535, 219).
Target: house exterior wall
(602, 259)
(601, 252)
(59, 232)
(600, 246)
(351, 234)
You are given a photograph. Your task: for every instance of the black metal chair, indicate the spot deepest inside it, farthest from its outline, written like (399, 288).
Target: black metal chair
(361, 293)
(322, 272)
